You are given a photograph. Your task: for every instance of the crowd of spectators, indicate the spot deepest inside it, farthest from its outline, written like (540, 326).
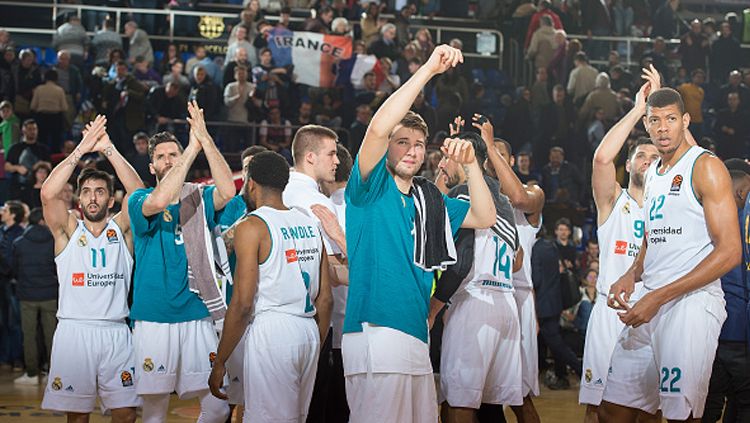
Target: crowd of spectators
(553, 124)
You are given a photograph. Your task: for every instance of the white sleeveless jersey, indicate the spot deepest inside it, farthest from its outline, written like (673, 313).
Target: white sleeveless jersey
(94, 275)
(675, 224)
(620, 238)
(527, 237)
(494, 254)
(289, 279)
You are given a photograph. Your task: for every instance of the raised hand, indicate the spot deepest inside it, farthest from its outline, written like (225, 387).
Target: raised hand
(458, 150)
(653, 83)
(457, 126)
(93, 131)
(197, 123)
(443, 58)
(485, 128)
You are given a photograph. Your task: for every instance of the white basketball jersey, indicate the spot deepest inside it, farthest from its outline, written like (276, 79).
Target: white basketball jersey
(527, 237)
(289, 279)
(675, 224)
(94, 275)
(494, 253)
(620, 238)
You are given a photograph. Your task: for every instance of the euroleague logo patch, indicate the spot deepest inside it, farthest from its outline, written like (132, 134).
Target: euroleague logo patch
(127, 378)
(112, 236)
(291, 255)
(79, 279)
(676, 184)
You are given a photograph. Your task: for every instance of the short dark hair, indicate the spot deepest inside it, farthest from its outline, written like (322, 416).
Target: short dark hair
(286, 10)
(264, 50)
(344, 169)
(640, 141)
(97, 175)
(507, 145)
(564, 221)
(480, 149)
(17, 209)
(252, 151)
(140, 136)
(697, 71)
(308, 138)
(593, 240)
(36, 215)
(28, 122)
(50, 75)
(269, 170)
(581, 57)
(161, 138)
(664, 97)
(416, 61)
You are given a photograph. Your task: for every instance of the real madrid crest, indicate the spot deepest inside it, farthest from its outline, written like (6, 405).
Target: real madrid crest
(82, 242)
(211, 26)
(167, 216)
(626, 208)
(148, 365)
(57, 384)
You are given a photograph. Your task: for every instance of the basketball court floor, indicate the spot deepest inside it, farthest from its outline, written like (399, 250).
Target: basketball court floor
(22, 404)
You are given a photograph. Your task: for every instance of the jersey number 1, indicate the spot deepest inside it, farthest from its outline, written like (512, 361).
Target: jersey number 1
(93, 257)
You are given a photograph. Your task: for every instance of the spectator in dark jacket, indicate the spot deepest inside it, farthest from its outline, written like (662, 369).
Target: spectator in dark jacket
(386, 45)
(694, 47)
(36, 275)
(726, 55)
(12, 215)
(205, 93)
(561, 180)
(545, 274)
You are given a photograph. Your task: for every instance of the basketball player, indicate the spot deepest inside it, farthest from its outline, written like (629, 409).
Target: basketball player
(92, 351)
(174, 337)
(527, 202)
(481, 353)
(400, 229)
(663, 357)
(281, 286)
(620, 233)
(315, 161)
(228, 218)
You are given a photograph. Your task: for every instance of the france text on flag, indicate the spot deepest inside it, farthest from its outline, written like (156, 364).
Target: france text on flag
(312, 54)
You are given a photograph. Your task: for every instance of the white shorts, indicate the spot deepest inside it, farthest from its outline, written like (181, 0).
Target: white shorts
(529, 350)
(235, 367)
(481, 354)
(281, 361)
(666, 364)
(388, 376)
(174, 357)
(90, 358)
(601, 337)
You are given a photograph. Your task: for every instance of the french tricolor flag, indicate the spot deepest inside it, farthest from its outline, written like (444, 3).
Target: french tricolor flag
(312, 54)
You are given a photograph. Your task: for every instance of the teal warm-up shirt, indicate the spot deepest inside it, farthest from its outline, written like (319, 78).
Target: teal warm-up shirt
(386, 288)
(232, 212)
(160, 282)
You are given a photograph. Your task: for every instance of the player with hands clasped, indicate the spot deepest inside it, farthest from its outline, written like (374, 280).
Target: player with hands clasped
(92, 350)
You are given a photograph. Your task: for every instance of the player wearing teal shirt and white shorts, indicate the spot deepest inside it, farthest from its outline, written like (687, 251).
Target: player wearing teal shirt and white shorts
(175, 341)
(386, 356)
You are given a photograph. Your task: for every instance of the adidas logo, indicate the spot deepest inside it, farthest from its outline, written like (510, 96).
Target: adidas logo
(236, 379)
(161, 369)
(70, 388)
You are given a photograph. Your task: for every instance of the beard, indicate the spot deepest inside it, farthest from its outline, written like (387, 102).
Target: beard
(161, 173)
(401, 172)
(96, 217)
(249, 203)
(452, 180)
(638, 179)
